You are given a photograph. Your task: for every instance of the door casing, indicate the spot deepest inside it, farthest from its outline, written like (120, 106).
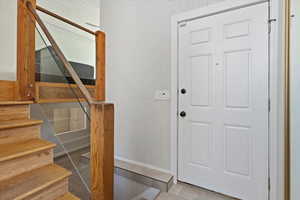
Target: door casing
(276, 86)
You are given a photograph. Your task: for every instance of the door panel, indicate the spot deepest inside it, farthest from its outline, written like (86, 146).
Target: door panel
(223, 139)
(237, 73)
(201, 80)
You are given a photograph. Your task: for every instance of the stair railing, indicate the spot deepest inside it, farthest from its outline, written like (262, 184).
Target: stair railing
(102, 113)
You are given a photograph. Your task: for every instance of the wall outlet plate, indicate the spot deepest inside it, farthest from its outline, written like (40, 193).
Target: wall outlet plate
(162, 95)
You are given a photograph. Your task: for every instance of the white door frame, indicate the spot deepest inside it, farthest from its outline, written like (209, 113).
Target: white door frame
(276, 86)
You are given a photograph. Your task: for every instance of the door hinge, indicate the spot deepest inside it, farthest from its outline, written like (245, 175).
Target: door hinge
(182, 24)
(269, 184)
(270, 24)
(269, 105)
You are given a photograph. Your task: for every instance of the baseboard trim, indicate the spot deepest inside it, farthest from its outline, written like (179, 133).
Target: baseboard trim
(159, 174)
(140, 172)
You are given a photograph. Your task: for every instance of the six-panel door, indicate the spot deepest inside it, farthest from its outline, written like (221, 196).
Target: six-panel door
(223, 139)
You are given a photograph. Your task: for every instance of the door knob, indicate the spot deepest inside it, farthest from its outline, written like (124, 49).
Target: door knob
(183, 91)
(182, 114)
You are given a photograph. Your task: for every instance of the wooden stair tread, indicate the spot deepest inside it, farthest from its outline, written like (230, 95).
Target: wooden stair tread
(15, 150)
(5, 103)
(18, 123)
(68, 196)
(32, 182)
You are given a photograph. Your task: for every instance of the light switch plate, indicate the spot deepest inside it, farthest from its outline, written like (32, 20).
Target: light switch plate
(162, 95)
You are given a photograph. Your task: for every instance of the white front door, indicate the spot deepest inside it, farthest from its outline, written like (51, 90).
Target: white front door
(223, 102)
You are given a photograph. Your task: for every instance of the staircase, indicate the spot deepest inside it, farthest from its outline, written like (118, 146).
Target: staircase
(27, 171)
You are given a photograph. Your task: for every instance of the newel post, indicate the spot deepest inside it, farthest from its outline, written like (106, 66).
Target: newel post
(26, 51)
(102, 151)
(100, 66)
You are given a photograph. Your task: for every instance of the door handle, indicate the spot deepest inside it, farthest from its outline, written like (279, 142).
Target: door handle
(183, 91)
(182, 114)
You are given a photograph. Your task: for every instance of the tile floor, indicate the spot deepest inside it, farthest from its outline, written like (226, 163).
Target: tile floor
(125, 188)
(182, 191)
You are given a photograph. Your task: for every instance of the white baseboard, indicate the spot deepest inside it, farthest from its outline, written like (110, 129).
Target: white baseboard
(143, 165)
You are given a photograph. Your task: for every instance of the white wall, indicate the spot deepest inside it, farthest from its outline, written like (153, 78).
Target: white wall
(138, 64)
(295, 99)
(8, 42)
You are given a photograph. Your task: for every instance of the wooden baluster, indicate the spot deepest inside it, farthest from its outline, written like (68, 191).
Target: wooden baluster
(100, 66)
(102, 151)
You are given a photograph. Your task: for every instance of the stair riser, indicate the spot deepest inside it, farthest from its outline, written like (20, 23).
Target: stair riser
(27, 171)
(11, 168)
(19, 134)
(14, 112)
(52, 192)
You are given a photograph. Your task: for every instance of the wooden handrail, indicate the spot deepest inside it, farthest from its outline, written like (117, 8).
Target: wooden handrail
(64, 20)
(62, 57)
